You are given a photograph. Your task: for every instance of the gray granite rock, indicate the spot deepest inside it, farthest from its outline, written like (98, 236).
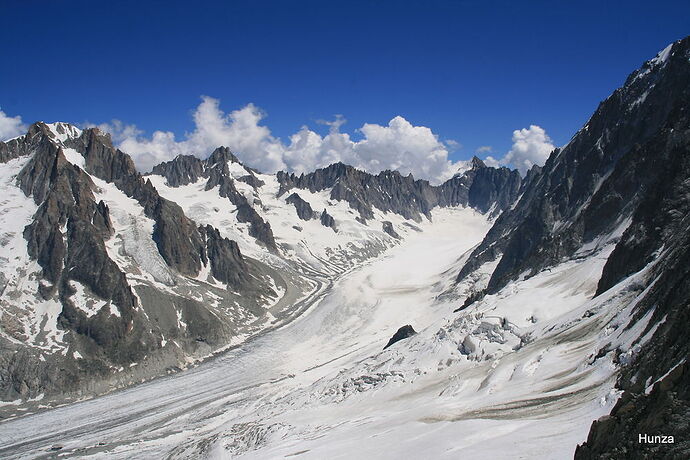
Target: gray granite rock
(328, 221)
(304, 210)
(388, 228)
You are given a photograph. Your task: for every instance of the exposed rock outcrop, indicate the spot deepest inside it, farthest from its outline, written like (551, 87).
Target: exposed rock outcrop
(622, 179)
(110, 323)
(304, 210)
(481, 187)
(588, 189)
(227, 264)
(388, 228)
(328, 221)
(184, 170)
(404, 332)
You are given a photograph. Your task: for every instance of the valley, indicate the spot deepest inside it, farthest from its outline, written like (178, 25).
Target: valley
(262, 398)
(205, 309)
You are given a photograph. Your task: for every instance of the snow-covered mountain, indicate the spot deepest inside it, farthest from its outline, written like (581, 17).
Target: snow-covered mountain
(110, 277)
(617, 191)
(536, 305)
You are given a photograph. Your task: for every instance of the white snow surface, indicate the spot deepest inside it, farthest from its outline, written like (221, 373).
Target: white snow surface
(515, 374)
(304, 242)
(64, 131)
(132, 246)
(662, 56)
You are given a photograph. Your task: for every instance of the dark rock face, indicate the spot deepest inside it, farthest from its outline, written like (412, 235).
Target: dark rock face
(37, 137)
(304, 210)
(402, 333)
(659, 217)
(258, 228)
(182, 245)
(627, 168)
(665, 411)
(176, 236)
(252, 180)
(184, 170)
(663, 359)
(492, 187)
(227, 263)
(328, 221)
(388, 228)
(662, 220)
(587, 189)
(481, 187)
(21, 372)
(67, 238)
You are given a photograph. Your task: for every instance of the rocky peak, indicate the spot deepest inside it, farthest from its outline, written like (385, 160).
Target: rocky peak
(303, 208)
(183, 170)
(658, 237)
(216, 169)
(187, 169)
(477, 163)
(481, 187)
(102, 159)
(63, 131)
(587, 188)
(221, 155)
(37, 137)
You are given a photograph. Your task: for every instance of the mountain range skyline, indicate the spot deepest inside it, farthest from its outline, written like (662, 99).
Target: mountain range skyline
(492, 94)
(354, 286)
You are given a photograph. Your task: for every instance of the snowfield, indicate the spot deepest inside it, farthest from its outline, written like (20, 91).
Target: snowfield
(520, 371)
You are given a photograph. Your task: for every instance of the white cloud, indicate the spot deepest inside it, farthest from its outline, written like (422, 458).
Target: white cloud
(452, 145)
(398, 145)
(404, 147)
(531, 146)
(240, 131)
(493, 162)
(118, 130)
(11, 126)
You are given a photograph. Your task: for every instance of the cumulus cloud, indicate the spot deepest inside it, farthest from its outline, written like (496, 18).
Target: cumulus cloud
(11, 126)
(239, 130)
(493, 162)
(397, 145)
(531, 146)
(118, 130)
(452, 145)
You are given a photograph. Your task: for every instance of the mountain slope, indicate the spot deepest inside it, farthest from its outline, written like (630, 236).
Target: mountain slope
(589, 188)
(112, 275)
(121, 277)
(482, 188)
(572, 306)
(623, 179)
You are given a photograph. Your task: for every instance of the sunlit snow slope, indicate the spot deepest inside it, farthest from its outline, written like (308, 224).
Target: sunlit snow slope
(539, 304)
(515, 368)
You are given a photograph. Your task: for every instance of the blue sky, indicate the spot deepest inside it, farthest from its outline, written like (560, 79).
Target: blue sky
(471, 71)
